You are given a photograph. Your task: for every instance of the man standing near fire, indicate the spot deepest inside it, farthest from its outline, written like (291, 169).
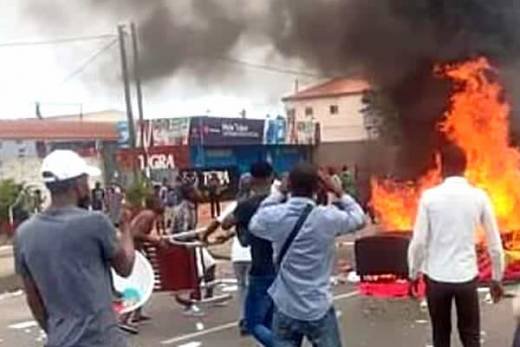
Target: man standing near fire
(443, 248)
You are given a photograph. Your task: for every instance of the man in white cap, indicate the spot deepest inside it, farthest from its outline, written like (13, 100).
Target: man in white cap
(64, 257)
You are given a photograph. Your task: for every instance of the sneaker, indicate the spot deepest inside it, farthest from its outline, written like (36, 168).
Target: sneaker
(193, 311)
(128, 328)
(242, 327)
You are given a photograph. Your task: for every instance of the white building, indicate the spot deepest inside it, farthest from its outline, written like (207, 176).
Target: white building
(336, 105)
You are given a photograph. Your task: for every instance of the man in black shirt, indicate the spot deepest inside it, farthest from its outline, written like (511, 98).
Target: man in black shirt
(98, 197)
(259, 306)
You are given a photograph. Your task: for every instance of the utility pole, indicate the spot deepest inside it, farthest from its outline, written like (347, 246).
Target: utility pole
(126, 82)
(137, 76)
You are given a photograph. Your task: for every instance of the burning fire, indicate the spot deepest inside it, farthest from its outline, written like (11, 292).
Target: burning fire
(477, 121)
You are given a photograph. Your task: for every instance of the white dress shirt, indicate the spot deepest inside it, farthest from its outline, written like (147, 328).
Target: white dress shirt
(443, 244)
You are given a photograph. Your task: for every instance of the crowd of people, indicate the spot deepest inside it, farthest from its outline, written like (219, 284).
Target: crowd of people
(283, 236)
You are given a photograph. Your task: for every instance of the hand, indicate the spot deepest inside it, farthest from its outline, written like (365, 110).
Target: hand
(222, 238)
(497, 291)
(330, 186)
(203, 237)
(414, 288)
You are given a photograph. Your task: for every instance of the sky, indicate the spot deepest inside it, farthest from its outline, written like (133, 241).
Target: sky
(45, 74)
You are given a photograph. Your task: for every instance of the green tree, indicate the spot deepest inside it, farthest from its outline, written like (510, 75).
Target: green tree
(9, 192)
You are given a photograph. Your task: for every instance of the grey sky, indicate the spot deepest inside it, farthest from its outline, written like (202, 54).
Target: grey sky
(37, 73)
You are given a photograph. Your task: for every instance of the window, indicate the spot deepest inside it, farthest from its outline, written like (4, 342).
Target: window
(309, 111)
(334, 109)
(291, 112)
(21, 152)
(19, 142)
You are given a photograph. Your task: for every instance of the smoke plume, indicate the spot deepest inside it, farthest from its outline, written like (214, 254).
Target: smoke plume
(392, 43)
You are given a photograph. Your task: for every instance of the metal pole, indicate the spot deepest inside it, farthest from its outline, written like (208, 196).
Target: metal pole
(137, 76)
(126, 82)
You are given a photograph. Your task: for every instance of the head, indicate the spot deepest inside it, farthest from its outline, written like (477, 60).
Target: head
(453, 160)
(75, 190)
(345, 168)
(331, 171)
(304, 180)
(66, 175)
(153, 204)
(261, 175)
(98, 185)
(190, 193)
(245, 182)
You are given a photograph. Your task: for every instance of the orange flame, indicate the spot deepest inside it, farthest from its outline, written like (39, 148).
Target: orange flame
(478, 122)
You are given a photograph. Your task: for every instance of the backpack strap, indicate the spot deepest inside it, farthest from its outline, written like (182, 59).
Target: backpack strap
(297, 227)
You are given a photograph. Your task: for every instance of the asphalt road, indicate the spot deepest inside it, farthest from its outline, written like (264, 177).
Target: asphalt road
(365, 322)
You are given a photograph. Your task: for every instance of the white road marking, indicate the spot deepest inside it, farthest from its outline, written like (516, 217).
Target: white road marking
(202, 333)
(23, 325)
(191, 344)
(233, 325)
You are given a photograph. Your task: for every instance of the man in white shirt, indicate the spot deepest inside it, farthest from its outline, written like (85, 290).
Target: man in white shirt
(443, 248)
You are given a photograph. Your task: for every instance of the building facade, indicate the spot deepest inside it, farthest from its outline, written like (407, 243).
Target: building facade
(335, 105)
(24, 144)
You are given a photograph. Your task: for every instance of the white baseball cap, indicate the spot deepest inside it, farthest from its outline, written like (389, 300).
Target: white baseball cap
(63, 165)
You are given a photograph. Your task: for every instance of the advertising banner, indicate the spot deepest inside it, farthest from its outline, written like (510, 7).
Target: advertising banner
(211, 131)
(155, 158)
(276, 131)
(170, 132)
(124, 134)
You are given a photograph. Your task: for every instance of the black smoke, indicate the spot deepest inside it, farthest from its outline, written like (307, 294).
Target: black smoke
(394, 44)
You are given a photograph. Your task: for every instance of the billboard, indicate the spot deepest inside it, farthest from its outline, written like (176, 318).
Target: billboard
(155, 158)
(211, 131)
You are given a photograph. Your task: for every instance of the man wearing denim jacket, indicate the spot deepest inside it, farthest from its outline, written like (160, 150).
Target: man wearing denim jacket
(301, 291)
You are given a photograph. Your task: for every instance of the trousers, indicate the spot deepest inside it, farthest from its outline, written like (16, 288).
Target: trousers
(440, 297)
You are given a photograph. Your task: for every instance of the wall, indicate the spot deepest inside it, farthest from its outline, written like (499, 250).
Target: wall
(347, 125)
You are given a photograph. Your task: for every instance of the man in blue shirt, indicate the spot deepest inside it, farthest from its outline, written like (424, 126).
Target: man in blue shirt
(301, 291)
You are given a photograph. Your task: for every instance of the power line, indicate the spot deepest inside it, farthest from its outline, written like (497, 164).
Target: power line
(88, 61)
(56, 41)
(270, 68)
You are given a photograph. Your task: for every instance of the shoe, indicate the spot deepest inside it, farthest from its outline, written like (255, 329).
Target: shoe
(242, 327)
(129, 328)
(141, 319)
(193, 311)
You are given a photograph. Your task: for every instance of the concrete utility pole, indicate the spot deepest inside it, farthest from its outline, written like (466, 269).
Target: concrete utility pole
(126, 82)
(137, 76)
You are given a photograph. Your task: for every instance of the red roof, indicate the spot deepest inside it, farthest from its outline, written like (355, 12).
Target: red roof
(35, 129)
(331, 88)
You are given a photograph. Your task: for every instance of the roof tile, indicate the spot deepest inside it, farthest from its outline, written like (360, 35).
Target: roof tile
(35, 129)
(331, 88)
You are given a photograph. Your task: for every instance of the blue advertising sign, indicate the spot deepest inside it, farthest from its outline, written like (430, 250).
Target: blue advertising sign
(211, 131)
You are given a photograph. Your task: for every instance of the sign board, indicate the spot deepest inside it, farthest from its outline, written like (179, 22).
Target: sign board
(155, 158)
(211, 131)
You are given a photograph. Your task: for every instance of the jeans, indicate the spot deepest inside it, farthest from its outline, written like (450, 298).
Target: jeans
(516, 341)
(241, 273)
(259, 309)
(440, 300)
(289, 332)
